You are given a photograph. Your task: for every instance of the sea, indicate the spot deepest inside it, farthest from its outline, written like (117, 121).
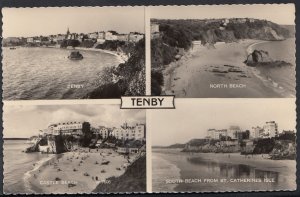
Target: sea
(281, 78)
(18, 167)
(47, 73)
(170, 165)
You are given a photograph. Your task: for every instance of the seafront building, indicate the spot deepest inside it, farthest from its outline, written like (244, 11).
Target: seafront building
(127, 132)
(67, 128)
(97, 37)
(269, 130)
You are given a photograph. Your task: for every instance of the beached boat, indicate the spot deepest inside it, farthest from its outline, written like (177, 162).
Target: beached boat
(75, 55)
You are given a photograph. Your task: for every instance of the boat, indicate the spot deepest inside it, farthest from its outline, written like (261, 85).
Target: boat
(75, 55)
(12, 48)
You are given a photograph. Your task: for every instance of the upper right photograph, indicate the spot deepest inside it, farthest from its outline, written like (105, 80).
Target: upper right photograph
(223, 51)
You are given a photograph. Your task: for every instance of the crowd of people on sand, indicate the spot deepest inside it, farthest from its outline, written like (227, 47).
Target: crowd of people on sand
(82, 154)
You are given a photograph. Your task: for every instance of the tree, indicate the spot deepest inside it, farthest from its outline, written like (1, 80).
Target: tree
(73, 43)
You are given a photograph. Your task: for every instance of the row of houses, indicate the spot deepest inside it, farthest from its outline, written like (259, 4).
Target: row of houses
(124, 132)
(66, 128)
(268, 130)
(99, 37)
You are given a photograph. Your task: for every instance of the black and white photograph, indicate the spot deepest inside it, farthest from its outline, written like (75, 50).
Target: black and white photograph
(73, 53)
(223, 51)
(224, 145)
(73, 149)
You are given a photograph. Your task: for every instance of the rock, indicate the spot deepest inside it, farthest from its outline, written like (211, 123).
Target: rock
(177, 57)
(258, 56)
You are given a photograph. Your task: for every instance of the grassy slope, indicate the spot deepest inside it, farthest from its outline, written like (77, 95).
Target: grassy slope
(133, 180)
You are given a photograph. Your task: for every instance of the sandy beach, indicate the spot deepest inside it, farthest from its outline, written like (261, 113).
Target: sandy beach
(219, 73)
(79, 171)
(218, 166)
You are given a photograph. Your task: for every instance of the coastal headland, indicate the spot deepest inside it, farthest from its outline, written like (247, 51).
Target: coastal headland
(209, 58)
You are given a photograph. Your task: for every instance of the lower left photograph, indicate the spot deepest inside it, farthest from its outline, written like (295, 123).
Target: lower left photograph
(73, 149)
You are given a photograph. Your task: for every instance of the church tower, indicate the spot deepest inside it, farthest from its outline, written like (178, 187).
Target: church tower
(68, 33)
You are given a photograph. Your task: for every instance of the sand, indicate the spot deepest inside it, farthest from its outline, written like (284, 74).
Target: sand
(203, 73)
(209, 168)
(79, 168)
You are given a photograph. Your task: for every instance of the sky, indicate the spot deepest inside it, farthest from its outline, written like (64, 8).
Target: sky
(283, 14)
(26, 22)
(27, 120)
(192, 119)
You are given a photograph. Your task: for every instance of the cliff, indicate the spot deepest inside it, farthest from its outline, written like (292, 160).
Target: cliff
(176, 34)
(283, 149)
(126, 79)
(180, 33)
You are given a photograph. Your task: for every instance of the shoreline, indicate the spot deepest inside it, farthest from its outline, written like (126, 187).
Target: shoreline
(204, 73)
(75, 172)
(122, 57)
(286, 169)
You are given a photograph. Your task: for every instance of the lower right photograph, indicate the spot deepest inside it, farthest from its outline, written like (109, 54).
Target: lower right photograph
(219, 145)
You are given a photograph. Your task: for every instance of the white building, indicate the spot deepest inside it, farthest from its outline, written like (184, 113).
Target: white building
(211, 133)
(30, 40)
(233, 132)
(216, 134)
(134, 37)
(270, 129)
(101, 35)
(126, 132)
(104, 132)
(154, 27)
(110, 36)
(93, 35)
(256, 132)
(122, 37)
(68, 128)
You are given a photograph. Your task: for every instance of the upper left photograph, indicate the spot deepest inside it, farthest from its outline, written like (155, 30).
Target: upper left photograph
(73, 53)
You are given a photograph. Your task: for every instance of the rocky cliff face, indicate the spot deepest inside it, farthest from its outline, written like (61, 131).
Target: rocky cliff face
(283, 149)
(128, 78)
(179, 33)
